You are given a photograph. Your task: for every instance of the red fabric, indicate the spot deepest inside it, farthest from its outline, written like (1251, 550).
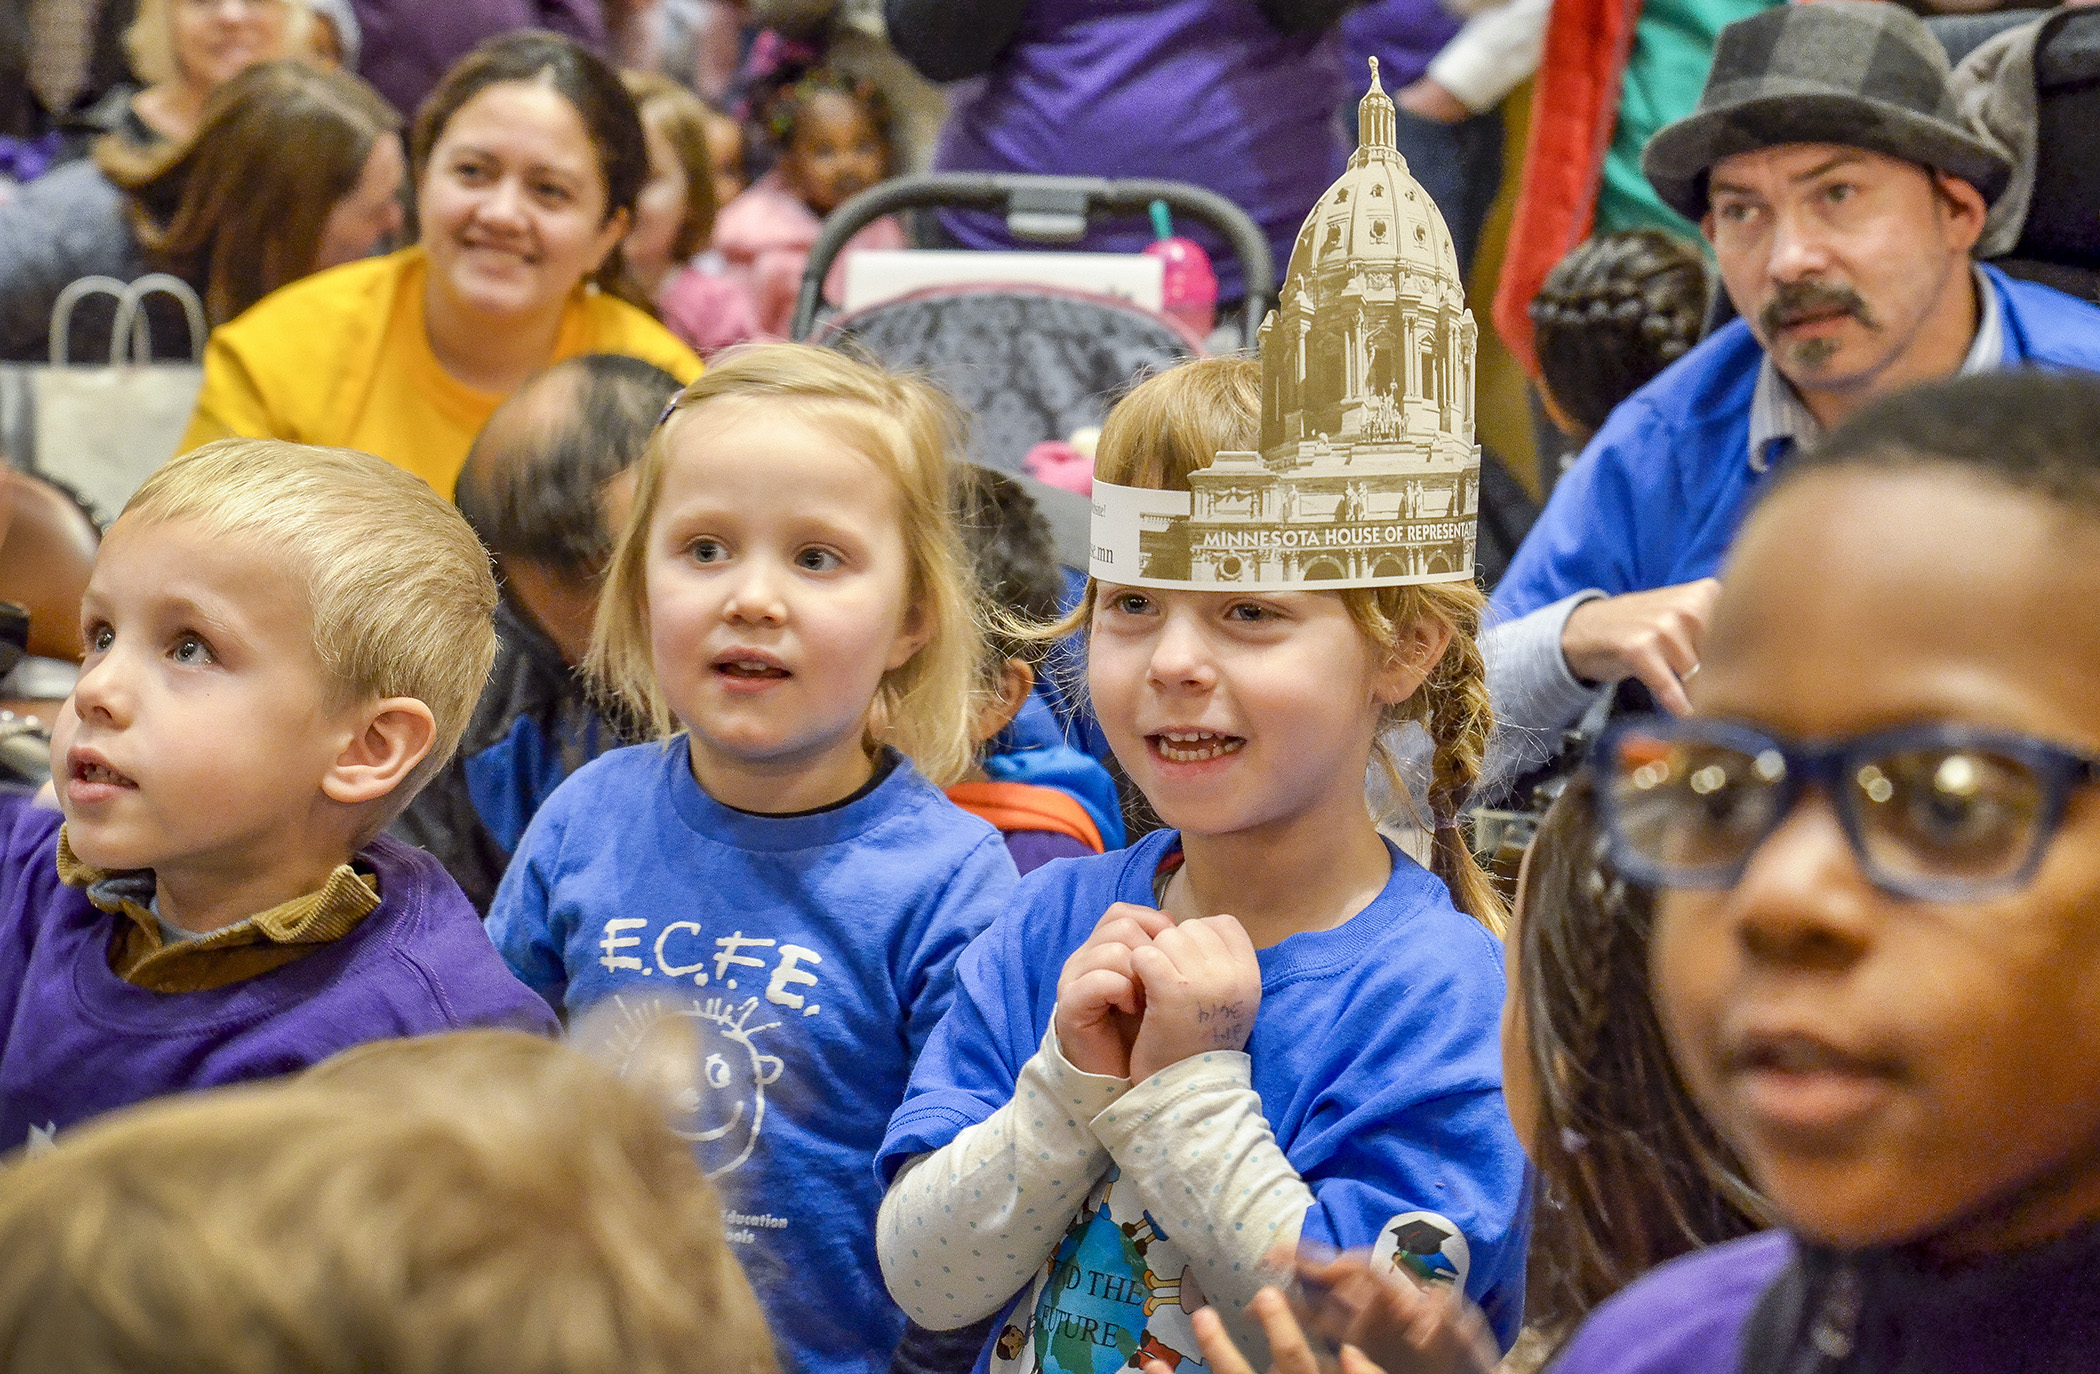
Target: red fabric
(1025, 806)
(1574, 113)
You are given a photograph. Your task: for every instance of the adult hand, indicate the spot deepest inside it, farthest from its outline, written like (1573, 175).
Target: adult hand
(1653, 636)
(1099, 1002)
(1397, 1324)
(1430, 100)
(1202, 986)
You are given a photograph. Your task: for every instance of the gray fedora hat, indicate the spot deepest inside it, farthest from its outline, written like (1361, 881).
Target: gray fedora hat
(1860, 73)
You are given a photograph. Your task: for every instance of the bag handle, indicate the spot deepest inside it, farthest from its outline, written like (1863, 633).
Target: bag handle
(131, 317)
(130, 323)
(62, 313)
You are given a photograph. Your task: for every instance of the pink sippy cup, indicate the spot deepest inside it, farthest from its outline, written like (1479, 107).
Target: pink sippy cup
(1189, 288)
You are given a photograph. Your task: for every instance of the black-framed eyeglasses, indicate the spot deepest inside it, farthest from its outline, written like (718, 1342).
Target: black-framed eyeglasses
(1936, 812)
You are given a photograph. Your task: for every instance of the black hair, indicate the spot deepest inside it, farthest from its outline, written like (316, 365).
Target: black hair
(533, 492)
(2034, 431)
(784, 106)
(1612, 314)
(1012, 559)
(1630, 1174)
(582, 78)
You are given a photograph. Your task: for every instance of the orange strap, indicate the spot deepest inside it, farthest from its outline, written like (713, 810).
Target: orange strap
(1025, 806)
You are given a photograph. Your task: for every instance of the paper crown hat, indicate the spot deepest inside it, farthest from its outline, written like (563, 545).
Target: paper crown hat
(1368, 474)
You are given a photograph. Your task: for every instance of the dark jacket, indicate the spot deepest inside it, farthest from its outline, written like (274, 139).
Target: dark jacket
(534, 726)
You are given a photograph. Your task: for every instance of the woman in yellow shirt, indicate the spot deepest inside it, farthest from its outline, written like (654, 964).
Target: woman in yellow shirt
(528, 159)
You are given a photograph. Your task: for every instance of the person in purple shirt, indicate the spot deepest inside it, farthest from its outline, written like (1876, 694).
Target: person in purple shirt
(409, 44)
(1238, 96)
(283, 644)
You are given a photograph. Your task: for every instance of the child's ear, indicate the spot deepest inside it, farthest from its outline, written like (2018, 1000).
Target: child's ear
(1006, 700)
(1411, 661)
(912, 636)
(394, 736)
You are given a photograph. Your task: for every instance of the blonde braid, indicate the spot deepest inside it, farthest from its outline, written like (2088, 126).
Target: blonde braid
(1459, 719)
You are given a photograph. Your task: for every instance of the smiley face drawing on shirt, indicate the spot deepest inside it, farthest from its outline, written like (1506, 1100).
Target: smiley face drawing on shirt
(703, 1058)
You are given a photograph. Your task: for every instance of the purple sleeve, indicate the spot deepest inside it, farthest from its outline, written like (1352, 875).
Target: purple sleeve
(1685, 1317)
(1031, 849)
(582, 20)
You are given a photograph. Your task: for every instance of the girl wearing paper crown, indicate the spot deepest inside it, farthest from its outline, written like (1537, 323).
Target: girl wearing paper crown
(1166, 1067)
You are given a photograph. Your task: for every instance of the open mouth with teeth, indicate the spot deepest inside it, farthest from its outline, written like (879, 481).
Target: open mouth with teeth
(749, 668)
(99, 774)
(1193, 746)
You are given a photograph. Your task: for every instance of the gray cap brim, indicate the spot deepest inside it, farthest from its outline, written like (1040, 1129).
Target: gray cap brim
(1680, 155)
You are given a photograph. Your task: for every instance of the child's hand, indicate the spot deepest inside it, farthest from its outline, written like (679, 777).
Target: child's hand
(1202, 986)
(1099, 1002)
(1398, 1324)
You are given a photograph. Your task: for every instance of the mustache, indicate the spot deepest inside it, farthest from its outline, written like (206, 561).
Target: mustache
(1795, 301)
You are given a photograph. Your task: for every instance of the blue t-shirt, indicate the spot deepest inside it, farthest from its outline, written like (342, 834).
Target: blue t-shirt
(812, 955)
(1376, 1054)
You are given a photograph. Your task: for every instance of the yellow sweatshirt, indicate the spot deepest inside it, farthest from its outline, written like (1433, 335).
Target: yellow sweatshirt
(342, 358)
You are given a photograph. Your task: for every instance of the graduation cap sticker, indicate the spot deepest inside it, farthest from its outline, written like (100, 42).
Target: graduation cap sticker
(1425, 1247)
(1368, 474)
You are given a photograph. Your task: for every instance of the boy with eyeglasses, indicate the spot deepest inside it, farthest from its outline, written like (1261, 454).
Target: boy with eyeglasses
(1877, 950)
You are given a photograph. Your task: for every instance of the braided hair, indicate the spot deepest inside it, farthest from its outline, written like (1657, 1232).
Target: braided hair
(1612, 314)
(1630, 1174)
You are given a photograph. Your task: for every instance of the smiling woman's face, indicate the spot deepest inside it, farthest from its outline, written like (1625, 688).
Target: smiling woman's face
(513, 203)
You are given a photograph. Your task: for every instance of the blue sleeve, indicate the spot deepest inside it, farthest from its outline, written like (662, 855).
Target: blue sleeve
(979, 890)
(1586, 536)
(971, 1061)
(1411, 1120)
(521, 919)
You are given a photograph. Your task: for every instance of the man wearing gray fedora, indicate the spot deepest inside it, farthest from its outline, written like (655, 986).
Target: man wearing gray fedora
(1842, 196)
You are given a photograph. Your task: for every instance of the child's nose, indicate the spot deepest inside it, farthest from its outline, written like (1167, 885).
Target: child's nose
(755, 597)
(102, 693)
(1181, 657)
(1803, 901)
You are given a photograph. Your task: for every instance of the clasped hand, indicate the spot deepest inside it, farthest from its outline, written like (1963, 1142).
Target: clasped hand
(1143, 992)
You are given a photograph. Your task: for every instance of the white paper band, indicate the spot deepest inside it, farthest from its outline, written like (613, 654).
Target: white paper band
(1255, 538)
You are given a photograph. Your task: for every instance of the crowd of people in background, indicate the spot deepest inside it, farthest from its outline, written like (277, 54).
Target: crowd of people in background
(581, 834)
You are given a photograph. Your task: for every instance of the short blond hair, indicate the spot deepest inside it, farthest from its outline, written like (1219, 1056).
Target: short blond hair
(1176, 422)
(486, 1202)
(400, 591)
(149, 40)
(926, 708)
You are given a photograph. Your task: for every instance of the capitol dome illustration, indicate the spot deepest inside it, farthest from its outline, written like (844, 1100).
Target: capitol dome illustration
(1368, 470)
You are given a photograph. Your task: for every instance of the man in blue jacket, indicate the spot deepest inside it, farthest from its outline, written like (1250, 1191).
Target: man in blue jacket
(1843, 197)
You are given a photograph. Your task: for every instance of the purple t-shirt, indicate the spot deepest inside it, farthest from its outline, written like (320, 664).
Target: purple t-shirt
(76, 1040)
(1685, 1317)
(409, 45)
(1404, 35)
(1031, 849)
(1203, 91)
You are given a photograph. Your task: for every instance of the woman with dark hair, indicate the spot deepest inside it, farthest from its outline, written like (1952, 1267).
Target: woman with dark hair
(528, 159)
(293, 169)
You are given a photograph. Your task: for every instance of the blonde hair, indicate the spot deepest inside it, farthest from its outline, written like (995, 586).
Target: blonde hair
(149, 40)
(925, 708)
(1175, 423)
(678, 115)
(402, 599)
(479, 1203)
